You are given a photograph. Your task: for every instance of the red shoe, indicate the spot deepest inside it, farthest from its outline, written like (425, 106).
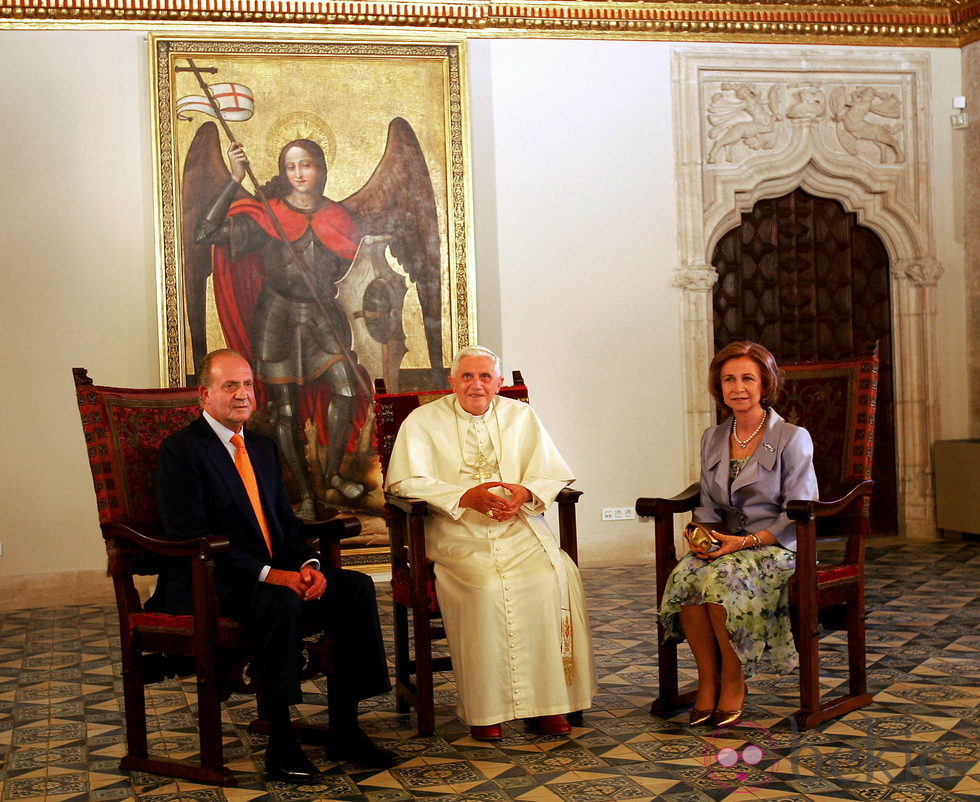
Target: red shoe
(487, 732)
(552, 725)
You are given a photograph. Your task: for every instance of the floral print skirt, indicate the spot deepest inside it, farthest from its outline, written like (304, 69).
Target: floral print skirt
(753, 586)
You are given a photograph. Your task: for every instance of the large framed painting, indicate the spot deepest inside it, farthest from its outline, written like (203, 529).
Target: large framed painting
(313, 213)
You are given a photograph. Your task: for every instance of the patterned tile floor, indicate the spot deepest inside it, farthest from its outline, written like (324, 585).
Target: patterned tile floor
(61, 727)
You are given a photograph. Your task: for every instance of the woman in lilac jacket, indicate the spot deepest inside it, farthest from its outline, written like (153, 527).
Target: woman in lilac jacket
(731, 599)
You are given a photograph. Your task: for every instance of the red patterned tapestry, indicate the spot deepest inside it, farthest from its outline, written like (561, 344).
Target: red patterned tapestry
(835, 402)
(123, 432)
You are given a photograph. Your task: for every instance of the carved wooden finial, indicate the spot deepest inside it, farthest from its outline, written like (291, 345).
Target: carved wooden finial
(81, 377)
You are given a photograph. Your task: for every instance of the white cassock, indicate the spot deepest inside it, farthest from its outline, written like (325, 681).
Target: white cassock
(507, 592)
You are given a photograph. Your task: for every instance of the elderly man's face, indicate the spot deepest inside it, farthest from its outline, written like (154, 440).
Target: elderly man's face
(229, 397)
(475, 383)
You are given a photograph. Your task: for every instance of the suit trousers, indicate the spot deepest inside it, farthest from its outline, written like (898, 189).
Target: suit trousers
(347, 612)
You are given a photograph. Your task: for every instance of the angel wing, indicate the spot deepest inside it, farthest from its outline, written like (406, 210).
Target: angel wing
(838, 102)
(888, 106)
(398, 201)
(205, 174)
(776, 105)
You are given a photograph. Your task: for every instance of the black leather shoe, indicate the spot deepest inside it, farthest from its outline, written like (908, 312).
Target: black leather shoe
(158, 667)
(291, 766)
(355, 747)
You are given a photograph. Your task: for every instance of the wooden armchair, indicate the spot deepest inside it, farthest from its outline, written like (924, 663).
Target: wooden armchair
(123, 432)
(835, 401)
(412, 575)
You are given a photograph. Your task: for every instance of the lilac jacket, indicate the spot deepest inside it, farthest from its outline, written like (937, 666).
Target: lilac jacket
(780, 470)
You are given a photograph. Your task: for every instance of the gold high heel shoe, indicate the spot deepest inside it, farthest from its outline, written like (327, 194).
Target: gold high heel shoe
(697, 717)
(726, 718)
(729, 718)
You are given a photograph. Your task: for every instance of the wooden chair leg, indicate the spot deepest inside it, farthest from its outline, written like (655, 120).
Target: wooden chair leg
(671, 698)
(403, 668)
(813, 710)
(424, 694)
(134, 698)
(808, 647)
(210, 770)
(209, 714)
(856, 645)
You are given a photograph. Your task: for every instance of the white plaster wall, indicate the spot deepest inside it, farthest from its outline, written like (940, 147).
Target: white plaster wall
(969, 174)
(575, 232)
(580, 165)
(950, 224)
(77, 284)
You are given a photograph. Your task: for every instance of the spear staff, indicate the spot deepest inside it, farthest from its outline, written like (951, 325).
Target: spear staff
(297, 257)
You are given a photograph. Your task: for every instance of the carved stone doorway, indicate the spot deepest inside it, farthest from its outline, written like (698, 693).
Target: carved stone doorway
(800, 276)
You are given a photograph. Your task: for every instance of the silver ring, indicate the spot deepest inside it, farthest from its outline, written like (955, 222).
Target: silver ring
(490, 513)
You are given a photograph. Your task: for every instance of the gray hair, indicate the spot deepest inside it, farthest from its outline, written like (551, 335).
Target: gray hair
(475, 350)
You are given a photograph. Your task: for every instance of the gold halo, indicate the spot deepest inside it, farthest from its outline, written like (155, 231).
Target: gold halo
(300, 125)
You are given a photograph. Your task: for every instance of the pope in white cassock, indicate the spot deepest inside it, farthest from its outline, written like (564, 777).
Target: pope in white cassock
(511, 599)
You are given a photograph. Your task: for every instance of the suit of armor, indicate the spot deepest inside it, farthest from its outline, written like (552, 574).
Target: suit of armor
(298, 333)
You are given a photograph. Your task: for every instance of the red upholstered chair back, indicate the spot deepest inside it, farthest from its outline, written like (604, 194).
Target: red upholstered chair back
(123, 432)
(835, 402)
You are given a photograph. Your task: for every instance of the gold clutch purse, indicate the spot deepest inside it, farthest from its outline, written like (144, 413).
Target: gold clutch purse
(700, 539)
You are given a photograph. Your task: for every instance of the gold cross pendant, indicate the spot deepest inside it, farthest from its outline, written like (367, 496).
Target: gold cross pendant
(480, 476)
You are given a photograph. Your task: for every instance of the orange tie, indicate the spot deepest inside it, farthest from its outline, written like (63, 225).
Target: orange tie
(244, 466)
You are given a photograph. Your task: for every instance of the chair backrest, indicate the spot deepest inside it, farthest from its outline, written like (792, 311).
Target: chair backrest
(123, 432)
(391, 409)
(835, 402)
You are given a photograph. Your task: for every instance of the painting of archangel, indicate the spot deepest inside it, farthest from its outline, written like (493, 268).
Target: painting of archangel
(315, 230)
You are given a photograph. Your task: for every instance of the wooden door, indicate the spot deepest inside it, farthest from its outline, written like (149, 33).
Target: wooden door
(800, 276)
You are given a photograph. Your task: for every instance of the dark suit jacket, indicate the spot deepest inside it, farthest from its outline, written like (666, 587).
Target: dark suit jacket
(199, 492)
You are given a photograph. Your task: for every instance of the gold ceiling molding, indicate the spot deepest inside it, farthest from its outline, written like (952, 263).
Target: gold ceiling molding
(915, 22)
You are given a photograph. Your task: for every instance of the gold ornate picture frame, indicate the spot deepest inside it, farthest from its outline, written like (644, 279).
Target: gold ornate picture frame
(341, 256)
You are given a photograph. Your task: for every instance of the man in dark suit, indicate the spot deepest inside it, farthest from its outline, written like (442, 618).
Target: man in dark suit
(271, 578)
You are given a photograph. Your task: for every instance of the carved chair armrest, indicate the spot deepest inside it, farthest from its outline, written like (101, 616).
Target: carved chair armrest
(410, 568)
(126, 544)
(802, 510)
(567, 498)
(663, 510)
(325, 536)
(806, 513)
(409, 506)
(685, 501)
(203, 547)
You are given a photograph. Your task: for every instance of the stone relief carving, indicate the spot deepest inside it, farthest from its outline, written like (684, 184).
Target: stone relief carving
(695, 277)
(811, 102)
(854, 113)
(924, 272)
(752, 115)
(738, 114)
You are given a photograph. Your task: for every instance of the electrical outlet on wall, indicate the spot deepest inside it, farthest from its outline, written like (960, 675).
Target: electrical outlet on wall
(618, 514)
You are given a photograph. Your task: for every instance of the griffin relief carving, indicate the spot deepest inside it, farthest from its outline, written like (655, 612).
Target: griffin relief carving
(739, 114)
(855, 113)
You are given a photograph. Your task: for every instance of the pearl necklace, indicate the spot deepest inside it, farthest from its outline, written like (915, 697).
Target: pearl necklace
(745, 443)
